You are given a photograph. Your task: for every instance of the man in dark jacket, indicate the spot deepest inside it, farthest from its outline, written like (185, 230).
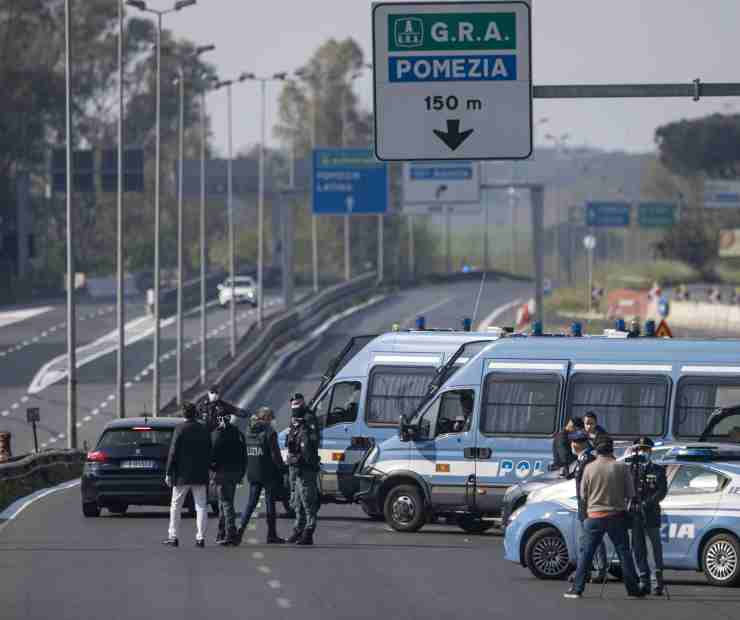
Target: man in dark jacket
(187, 469)
(592, 428)
(651, 487)
(228, 463)
(264, 471)
(562, 455)
(211, 408)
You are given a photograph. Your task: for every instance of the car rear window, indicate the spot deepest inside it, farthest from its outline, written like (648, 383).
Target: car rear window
(120, 437)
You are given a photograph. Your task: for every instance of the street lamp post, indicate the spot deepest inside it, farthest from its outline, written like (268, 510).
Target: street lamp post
(71, 314)
(120, 370)
(142, 6)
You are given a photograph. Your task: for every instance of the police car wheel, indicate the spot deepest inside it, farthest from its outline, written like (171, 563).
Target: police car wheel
(404, 508)
(474, 525)
(721, 560)
(546, 554)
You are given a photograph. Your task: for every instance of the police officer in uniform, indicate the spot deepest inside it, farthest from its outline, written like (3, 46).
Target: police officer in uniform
(651, 487)
(264, 471)
(303, 459)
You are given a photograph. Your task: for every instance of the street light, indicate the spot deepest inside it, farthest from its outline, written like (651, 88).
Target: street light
(303, 73)
(142, 6)
(120, 370)
(180, 281)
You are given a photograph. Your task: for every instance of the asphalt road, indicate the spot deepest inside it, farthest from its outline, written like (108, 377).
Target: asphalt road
(30, 344)
(56, 563)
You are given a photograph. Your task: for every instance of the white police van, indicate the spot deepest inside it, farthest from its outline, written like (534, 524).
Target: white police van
(514, 395)
(367, 388)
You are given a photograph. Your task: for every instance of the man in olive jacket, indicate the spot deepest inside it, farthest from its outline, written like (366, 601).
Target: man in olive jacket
(187, 469)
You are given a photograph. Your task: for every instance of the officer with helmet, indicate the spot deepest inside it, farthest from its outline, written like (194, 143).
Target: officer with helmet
(302, 443)
(651, 488)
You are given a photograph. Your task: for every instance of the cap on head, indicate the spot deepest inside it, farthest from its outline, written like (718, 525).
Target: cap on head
(644, 442)
(578, 437)
(264, 414)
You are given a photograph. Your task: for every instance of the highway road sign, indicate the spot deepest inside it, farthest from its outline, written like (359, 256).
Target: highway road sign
(608, 214)
(453, 80)
(348, 181)
(440, 183)
(656, 214)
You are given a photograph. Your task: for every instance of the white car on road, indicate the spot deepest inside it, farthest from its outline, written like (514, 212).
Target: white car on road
(244, 290)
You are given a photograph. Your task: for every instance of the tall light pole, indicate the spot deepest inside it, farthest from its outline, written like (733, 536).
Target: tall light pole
(227, 84)
(180, 267)
(305, 74)
(71, 315)
(142, 6)
(203, 250)
(276, 77)
(120, 370)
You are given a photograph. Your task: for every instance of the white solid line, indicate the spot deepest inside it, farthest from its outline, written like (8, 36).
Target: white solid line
(486, 323)
(24, 399)
(408, 320)
(12, 511)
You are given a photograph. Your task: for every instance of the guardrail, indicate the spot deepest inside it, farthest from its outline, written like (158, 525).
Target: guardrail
(279, 329)
(22, 476)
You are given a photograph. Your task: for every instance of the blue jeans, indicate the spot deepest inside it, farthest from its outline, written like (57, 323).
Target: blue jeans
(593, 535)
(255, 490)
(599, 556)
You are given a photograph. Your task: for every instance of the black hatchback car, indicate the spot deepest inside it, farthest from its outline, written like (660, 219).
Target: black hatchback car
(127, 467)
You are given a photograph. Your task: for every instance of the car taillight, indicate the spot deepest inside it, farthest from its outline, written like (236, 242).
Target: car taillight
(96, 457)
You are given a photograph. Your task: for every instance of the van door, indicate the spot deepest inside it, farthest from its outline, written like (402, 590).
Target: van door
(441, 451)
(336, 413)
(519, 409)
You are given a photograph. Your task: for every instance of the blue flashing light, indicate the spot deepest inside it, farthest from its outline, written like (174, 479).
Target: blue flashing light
(467, 324)
(576, 330)
(650, 329)
(537, 328)
(620, 325)
(421, 323)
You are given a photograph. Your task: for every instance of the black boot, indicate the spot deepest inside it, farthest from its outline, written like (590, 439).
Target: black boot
(295, 536)
(272, 537)
(658, 589)
(306, 538)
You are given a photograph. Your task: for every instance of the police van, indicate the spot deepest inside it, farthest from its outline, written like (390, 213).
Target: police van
(367, 388)
(492, 422)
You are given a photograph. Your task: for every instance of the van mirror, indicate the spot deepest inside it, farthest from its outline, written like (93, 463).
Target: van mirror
(406, 430)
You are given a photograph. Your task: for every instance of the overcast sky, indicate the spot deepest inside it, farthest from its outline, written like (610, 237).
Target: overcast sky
(574, 41)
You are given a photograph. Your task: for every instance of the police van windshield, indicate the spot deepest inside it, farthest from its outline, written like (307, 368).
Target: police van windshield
(458, 359)
(724, 425)
(351, 349)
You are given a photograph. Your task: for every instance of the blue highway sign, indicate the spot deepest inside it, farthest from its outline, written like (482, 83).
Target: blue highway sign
(608, 214)
(349, 181)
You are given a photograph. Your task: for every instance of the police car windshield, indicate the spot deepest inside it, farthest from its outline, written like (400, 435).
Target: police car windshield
(461, 357)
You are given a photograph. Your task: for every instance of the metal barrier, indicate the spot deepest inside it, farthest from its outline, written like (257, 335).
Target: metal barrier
(22, 476)
(278, 330)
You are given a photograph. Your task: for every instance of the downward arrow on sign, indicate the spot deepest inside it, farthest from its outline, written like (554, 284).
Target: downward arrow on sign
(453, 137)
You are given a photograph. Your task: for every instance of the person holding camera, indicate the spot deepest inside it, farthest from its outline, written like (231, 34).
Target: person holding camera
(606, 489)
(211, 408)
(651, 487)
(304, 462)
(229, 456)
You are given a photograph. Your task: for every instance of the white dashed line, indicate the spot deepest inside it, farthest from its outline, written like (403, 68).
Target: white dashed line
(5, 413)
(103, 404)
(53, 440)
(258, 555)
(111, 396)
(78, 424)
(60, 436)
(24, 399)
(95, 412)
(87, 418)
(128, 384)
(274, 584)
(265, 570)
(14, 406)
(252, 541)
(284, 603)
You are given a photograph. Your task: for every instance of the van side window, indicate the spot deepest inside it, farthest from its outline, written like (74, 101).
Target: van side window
(340, 404)
(455, 412)
(394, 391)
(520, 405)
(698, 397)
(625, 404)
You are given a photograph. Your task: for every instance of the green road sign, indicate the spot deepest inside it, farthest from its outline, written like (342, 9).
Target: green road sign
(656, 214)
(441, 32)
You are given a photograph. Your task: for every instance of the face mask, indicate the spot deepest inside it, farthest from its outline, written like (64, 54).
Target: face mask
(212, 396)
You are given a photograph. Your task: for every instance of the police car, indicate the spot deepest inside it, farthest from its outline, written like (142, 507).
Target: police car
(700, 528)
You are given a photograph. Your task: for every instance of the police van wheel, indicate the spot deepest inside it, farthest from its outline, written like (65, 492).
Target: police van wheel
(546, 554)
(474, 525)
(721, 560)
(404, 508)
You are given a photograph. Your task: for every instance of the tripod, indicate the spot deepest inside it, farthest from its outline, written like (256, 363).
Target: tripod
(611, 560)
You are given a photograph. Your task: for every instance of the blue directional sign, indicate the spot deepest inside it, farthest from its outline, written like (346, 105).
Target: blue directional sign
(349, 181)
(608, 214)
(664, 307)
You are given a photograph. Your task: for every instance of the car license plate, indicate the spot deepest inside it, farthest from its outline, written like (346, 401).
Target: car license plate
(139, 465)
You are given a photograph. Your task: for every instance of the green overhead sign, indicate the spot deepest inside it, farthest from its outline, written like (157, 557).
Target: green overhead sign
(656, 215)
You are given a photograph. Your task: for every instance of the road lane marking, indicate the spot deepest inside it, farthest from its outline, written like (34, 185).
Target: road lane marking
(258, 555)
(24, 399)
(283, 602)
(486, 323)
(409, 320)
(274, 584)
(87, 418)
(16, 316)
(5, 413)
(95, 412)
(18, 506)
(14, 406)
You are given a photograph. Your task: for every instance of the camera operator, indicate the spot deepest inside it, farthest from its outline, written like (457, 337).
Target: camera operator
(651, 487)
(211, 408)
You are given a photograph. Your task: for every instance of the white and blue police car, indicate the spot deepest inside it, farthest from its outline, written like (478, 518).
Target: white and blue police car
(700, 528)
